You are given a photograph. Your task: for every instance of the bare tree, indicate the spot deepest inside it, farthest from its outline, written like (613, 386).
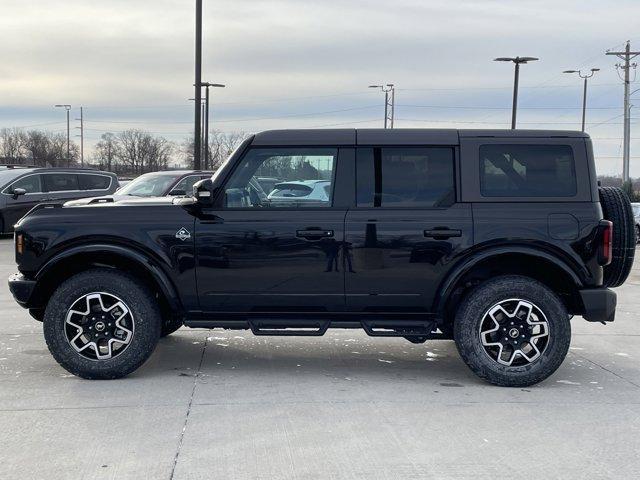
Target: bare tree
(221, 145)
(12, 145)
(106, 152)
(46, 149)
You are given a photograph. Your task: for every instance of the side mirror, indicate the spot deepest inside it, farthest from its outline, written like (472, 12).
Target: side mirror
(203, 192)
(17, 192)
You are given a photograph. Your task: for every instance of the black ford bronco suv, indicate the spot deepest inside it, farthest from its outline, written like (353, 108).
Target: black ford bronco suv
(493, 238)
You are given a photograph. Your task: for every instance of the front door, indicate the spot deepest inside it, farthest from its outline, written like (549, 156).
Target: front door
(274, 250)
(406, 230)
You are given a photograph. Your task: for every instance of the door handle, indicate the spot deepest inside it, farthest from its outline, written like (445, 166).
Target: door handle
(314, 233)
(442, 233)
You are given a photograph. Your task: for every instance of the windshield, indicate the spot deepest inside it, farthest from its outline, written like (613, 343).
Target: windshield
(149, 185)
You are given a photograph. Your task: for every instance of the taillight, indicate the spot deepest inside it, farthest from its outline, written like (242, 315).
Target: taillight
(19, 243)
(605, 250)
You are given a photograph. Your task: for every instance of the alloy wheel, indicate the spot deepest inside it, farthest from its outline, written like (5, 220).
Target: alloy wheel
(514, 332)
(99, 326)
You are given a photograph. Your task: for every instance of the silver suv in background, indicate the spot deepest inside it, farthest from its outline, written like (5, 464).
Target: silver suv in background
(21, 189)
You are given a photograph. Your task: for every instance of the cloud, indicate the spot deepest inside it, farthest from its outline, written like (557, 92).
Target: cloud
(119, 56)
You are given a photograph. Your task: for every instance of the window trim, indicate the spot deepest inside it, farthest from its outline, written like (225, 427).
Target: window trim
(4, 190)
(377, 173)
(506, 145)
(78, 174)
(470, 168)
(219, 200)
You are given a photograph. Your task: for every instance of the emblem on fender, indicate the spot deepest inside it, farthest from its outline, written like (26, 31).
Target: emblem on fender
(183, 234)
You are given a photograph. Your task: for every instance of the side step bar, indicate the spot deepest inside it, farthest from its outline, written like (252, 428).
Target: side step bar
(302, 328)
(316, 327)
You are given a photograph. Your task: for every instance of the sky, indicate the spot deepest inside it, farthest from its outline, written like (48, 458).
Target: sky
(303, 64)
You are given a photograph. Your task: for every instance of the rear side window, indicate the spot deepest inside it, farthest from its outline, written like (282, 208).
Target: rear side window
(527, 171)
(409, 177)
(94, 182)
(60, 182)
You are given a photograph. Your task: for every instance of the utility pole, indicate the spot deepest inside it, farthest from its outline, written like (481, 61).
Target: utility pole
(67, 108)
(516, 80)
(389, 102)
(81, 127)
(586, 77)
(627, 56)
(197, 142)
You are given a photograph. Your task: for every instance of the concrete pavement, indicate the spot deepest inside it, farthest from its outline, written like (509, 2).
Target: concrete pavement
(228, 405)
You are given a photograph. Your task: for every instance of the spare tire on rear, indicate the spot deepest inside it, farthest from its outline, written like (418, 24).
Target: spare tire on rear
(616, 208)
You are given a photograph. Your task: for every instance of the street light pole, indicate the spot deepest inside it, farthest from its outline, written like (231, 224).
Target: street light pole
(389, 103)
(516, 80)
(206, 121)
(197, 143)
(67, 108)
(586, 77)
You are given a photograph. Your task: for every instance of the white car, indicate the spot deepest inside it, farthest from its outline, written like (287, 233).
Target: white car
(636, 218)
(301, 191)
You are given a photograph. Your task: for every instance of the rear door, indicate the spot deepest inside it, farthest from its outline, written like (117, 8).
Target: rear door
(62, 186)
(406, 229)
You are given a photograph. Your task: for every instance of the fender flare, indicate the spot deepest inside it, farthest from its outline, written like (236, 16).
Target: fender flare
(448, 285)
(143, 260)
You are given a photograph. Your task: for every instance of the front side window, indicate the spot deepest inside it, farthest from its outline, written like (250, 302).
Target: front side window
(94, 182)
(60, 182)
(527, 171)
(30, 183)
(405, 177)
(185, 186)
(298, 178)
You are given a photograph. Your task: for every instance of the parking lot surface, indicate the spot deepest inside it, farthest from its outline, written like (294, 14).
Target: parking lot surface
(228, 405)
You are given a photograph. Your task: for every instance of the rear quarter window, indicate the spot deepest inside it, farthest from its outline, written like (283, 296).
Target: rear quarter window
(527, 171)
(94, 182)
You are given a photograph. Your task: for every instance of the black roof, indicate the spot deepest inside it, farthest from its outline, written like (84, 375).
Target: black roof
(404, 136)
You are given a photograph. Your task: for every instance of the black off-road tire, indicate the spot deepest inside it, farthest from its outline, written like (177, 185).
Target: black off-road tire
(138, 299)
(170, 326)
(616, 207)
(477, 304)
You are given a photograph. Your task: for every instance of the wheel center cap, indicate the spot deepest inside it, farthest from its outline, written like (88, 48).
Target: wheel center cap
(513, 333)
(100, 326)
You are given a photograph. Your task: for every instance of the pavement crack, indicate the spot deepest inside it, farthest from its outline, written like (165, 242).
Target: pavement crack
(186, 417)
(606, 369)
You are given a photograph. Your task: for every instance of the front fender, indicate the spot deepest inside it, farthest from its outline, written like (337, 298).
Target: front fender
(132, 256)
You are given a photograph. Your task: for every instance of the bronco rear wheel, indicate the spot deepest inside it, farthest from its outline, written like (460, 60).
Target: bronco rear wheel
(101, 324)
(512, 331)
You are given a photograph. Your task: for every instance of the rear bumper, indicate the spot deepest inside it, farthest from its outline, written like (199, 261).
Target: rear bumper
(599, 304)
(21, 288)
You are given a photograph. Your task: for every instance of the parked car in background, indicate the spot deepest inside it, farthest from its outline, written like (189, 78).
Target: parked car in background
(303, 192)
(154, 184)
(636, 218)
(268, 183)
(24, 188)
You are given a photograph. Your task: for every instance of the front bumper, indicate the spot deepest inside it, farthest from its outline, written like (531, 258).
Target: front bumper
(21, 288)
(599, 304)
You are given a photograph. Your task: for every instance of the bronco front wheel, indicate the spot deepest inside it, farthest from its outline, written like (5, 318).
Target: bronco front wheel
(512, 331)
(101, 324)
